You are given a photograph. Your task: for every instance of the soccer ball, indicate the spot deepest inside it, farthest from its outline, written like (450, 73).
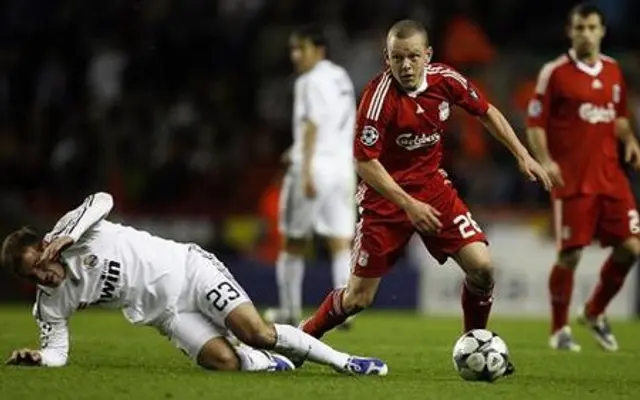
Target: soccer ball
(480, 355)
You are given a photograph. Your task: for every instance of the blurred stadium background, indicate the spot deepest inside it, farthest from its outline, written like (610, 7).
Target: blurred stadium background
(181, 110)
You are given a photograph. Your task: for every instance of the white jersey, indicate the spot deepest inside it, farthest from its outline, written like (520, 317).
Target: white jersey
(325, 96)
(109, 265)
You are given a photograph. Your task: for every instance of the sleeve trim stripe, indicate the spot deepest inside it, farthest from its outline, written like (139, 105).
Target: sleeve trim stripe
(456, 76)
(375, 107)
(73, 223)
(545, 74)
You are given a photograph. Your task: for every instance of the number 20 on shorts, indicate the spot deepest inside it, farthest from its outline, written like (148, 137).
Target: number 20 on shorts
(467, 225)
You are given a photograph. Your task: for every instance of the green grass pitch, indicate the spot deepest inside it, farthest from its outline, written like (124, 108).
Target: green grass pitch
(111, 359)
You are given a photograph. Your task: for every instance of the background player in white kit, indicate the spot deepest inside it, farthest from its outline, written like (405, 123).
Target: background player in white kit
(183, 291)
(319, 188)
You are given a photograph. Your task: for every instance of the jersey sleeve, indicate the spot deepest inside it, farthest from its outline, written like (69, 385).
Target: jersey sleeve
(620, 98)
(540, 104)
(316, 105)
(51, 316)
(374, 114)
(465, 94)
(76, 222)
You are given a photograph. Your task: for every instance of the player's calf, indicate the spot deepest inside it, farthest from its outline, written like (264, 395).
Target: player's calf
(217, 354)
(477, 290)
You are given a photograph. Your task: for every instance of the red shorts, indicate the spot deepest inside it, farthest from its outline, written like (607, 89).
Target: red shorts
(580, 219)
(379, 242)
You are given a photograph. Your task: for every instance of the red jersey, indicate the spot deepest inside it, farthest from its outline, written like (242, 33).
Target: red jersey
(404, 130)
(577, 105)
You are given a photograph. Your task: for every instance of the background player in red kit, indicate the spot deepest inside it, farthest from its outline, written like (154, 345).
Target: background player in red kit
(576, 118)
(398, 148)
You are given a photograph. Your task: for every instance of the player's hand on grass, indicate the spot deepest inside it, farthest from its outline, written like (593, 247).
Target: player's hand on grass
(424, 217)
(308, 186)
(632, 154)
(26, 357)
(52, 250)
(537, 173)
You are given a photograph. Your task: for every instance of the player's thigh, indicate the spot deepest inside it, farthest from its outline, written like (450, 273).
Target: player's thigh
(201, 340)
(297, 213)
(459, 230)
(574, 221)
(217, 293)
(619, 220)
(377, 244)
(337, 210)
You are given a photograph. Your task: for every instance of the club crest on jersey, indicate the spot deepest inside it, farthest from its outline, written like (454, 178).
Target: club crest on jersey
(473, 94)
(90, 261)
(412, 141)
(444, 111)
(369, 135)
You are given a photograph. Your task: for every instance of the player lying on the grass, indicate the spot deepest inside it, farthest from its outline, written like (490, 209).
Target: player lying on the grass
(401, 120)
(186, 293)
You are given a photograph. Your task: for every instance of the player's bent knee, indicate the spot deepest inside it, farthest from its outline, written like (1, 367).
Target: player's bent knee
(569, 258)
(294, 245)
(217, 354)
(481, 277)
(627, 251)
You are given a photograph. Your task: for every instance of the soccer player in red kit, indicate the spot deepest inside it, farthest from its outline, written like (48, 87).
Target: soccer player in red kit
(577, 117)
(398, 148)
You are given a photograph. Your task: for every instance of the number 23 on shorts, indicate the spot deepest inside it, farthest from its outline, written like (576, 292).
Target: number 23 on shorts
(467, 226)
(222, 295)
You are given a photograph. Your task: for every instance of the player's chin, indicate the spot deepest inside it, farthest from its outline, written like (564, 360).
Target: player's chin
(408, 84)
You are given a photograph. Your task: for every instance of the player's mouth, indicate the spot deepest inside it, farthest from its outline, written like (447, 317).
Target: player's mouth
(407, 78)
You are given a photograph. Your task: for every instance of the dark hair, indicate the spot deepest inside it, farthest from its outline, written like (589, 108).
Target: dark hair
(13, 248)
(584, 10)
(407, 28)
(314, 33)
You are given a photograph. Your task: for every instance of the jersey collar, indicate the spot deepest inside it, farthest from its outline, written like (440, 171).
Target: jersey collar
(591, 70)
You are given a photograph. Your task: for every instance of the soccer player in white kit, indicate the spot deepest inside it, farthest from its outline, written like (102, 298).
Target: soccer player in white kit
(186, 293)
(318, 192)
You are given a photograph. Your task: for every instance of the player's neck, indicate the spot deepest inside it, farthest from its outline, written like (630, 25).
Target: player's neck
(588, 58)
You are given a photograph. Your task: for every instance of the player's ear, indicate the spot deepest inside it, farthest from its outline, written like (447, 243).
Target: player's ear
(429, 52)
(385, 56)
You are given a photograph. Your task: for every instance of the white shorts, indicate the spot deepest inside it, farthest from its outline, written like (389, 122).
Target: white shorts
(209, 295)
(331, 213)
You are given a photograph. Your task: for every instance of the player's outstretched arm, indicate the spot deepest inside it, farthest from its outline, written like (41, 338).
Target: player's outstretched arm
(54, 347)
(500, 128)
(423, 216)
(537, 138)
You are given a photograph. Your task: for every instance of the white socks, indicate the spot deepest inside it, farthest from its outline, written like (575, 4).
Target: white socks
(297, 344)
(290, 275)
(341, 268)
(252, 360)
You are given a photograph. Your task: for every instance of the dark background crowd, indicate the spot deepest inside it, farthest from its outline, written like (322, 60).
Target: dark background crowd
(182, 108)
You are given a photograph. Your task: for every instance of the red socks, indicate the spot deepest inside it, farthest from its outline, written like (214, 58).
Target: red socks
(560, 290)
(329, 315)
(476, 308)
(612, 278)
